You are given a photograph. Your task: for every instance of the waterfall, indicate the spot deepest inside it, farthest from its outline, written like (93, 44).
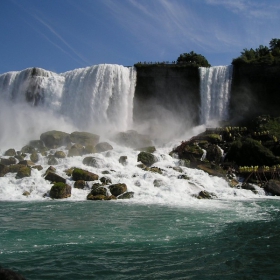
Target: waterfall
(90, 97)
(215, 85)
(97, 99)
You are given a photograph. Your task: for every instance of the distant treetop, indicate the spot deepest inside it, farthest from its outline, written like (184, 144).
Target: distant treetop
(186, 59)
(193, 59)
(261, 55)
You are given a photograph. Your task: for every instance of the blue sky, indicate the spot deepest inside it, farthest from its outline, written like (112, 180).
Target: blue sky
(61, 35)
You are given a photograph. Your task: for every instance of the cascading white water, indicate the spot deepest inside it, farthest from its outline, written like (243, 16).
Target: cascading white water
(97, 99)
(215, 85)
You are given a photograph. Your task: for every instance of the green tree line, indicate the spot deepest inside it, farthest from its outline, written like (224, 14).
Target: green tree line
(261, 55)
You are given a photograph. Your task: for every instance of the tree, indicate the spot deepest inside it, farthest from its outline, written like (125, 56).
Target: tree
(274, 43)
(193, 59)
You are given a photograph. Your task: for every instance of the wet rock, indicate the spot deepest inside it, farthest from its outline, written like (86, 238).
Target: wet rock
(8, 161)
(89, 149)
(38, 144)
(38, 167)
(60, 190)
(206, 195)
(28, 149)
(59, 154)
(53, 177)
(105, 180)
(34, 157)
(94, 162)
(126, 195)
(123, 160)
(81, 174)
(10, 153)
(53, 139)
(52, 160)
(24, 171)
(146, 158)
(273, 187)
(84, 138)
(80, 184)
(117, 189)
(27, 162)
(103, 147)
(4, 169)
(98, 190)
(158, 183)
(26, 193)
(76, 150)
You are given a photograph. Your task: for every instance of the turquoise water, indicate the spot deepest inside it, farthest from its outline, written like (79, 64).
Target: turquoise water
(113, 240)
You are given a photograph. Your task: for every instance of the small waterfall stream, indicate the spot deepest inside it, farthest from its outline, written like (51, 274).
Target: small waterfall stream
(215, 85)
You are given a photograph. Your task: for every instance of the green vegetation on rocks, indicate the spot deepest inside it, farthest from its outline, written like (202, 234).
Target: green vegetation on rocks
(146, 158)
(60, 190)
(81, 174)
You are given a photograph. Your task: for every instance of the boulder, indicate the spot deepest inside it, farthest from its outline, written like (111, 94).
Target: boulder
(103, 147)
(97, 197)
(158, 183)
(54, 138)
(123, 160)
(98, 190)
(214, 153)
(146, 158)
(206, 195)
(53, 177)
(105, 180)
(8, 161)
(94, 162)
(38, 144)
(76, 150)
(84, 138)
(38, 167)
(52, 160)
(133, 139)
(273, 187)
(14, 168)
(3, 170)
(117, 189)
(60, 190)
(80, 184)
(10, 153)
(59, 154)
(126, 195)
(24, 171)
(28, 149)
(26, 162)
(89, 149)
(34, 157)
(81, 174)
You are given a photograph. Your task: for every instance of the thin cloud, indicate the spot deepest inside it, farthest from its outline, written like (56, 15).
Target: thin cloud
(251, 9)
(60, 38)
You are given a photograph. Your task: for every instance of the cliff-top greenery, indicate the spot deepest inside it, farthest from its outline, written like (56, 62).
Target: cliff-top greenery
(261, 55)
(186, 59)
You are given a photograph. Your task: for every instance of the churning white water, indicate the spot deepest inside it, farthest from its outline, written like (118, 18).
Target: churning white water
(96, 98)
(215, 85)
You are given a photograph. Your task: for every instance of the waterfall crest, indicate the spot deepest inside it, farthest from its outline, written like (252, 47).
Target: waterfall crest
(215, 85)
(95, 96)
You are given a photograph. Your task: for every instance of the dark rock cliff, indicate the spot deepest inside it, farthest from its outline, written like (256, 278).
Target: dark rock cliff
(255, 90)
(167, 92)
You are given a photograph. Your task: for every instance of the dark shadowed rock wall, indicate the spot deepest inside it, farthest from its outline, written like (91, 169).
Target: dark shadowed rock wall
(255, 90)
(165, 92)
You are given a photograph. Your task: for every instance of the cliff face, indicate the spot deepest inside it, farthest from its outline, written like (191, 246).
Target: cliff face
(255, 90)
(167, 92)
